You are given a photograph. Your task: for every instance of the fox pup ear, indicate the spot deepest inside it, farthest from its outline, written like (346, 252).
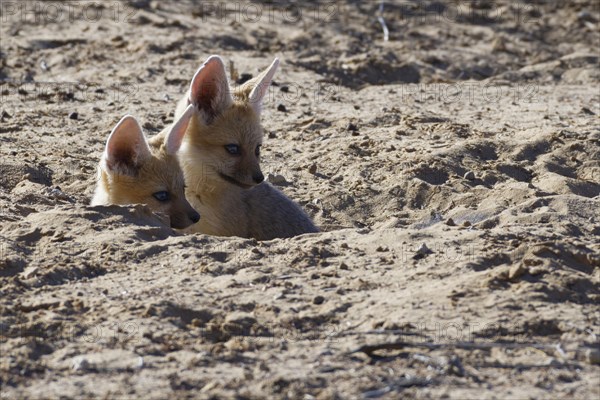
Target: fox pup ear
(126, 148)
(177, 132)
(261, 88)
(209, 90)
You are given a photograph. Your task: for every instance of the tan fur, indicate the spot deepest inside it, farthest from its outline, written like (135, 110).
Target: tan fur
(158, 172)
(241, 208)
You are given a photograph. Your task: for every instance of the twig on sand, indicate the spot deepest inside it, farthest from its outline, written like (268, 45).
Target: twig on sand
(381, 332)
(386, 32)
(370, 349)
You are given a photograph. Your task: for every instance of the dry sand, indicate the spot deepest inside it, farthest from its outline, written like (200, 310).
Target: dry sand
(454, 170)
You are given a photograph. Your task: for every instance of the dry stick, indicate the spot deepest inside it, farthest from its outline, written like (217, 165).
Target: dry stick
(381, 332)
(370, 349)
(386, 32)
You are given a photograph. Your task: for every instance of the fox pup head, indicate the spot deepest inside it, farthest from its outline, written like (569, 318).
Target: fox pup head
(226, 135)
(134, 170)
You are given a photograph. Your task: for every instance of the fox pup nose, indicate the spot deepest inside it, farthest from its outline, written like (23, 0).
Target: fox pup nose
(258, 178)
(194, 217)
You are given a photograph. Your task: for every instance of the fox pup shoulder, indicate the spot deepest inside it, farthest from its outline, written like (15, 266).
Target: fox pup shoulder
(135, 170)
(220, 157)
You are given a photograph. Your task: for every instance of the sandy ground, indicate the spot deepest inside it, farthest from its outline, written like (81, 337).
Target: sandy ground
(454, 171)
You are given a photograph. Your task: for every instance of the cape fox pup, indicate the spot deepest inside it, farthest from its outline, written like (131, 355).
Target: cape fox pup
(135, 170)
(220, 159)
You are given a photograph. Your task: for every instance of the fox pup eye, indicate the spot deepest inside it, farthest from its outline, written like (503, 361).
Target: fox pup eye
(257, 150)
(233, 149)
(161, 196)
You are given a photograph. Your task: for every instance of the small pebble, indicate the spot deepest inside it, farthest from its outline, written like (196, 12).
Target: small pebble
(450, 222)
(276, 179)
(586, 16)
(73, 115)
(313, 169)
(352, 127)
(422, 252)
(587, 111)
(284, 89)
(318, 300)
(80, 364)
(470, 176)
(29, 272)
(281, 108)
(592, 356)
(516, 271)
(424, 249)
(466, 224)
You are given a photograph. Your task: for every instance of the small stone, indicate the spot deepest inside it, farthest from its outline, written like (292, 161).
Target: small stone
(424, 249)
(466, 224)
(276, 179)
(281, 108)
(344, 266)
(318, 300)
(499, 44)
(592, 356)
(284, 89)
(29, 272)
(80, 364)
(470, 175)
(450, 222)
(352, 127)
(422, 252)
(516, 271)
(73, 115)
(586, 16)
(313, 169)
(534, 271)
(587, 111)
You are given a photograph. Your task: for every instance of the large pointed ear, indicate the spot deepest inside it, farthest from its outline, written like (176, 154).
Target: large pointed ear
(126, 148)
(261, 88)
(178, 130)
(209, 90)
